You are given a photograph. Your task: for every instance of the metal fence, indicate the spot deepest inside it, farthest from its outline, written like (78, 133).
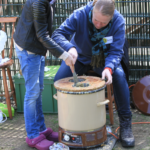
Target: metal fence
(135, 12)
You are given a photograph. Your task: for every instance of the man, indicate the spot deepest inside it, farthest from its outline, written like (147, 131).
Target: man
(32, 40)
(97, 34)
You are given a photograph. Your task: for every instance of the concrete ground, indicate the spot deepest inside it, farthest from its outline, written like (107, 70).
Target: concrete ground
(13, 134)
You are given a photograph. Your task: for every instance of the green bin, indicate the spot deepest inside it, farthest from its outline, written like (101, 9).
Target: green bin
(49, 104)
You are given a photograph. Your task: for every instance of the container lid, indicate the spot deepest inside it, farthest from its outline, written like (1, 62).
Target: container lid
(86, 83)
(141, 95)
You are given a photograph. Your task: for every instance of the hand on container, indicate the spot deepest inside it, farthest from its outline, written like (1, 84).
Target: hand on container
(70, 62)
(106, 73)
(73, 52)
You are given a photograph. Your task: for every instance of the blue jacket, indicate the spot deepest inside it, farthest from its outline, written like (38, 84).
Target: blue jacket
(77, 27)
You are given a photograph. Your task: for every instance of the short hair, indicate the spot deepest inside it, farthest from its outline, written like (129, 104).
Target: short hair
(106, 7)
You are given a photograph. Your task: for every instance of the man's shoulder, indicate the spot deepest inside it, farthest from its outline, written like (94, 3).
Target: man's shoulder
(118, 15)
(83, 11)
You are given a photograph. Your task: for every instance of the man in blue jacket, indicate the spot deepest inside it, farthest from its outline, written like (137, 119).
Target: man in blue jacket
(97, 34)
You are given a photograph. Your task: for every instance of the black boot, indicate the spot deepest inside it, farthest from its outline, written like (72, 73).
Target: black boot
(126, 135)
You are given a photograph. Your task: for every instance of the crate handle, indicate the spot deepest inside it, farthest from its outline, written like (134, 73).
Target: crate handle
(55, 96)
(103, 102)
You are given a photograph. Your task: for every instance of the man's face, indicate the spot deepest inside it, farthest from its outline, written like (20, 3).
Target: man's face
(100, 20)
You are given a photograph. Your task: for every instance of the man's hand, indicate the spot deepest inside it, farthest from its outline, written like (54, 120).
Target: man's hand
(73, 52)
(70, 62)
(106, 73)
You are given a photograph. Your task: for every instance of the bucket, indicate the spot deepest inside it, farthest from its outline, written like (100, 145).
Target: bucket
(81, 111)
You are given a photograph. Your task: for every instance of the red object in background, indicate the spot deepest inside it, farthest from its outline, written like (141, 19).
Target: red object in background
(141, 95)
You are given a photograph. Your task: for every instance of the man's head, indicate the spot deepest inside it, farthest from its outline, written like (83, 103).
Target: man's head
(103, 11)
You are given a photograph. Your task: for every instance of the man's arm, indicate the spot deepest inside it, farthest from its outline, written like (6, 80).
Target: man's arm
(115, 51)
(41, 24)
(63, 34)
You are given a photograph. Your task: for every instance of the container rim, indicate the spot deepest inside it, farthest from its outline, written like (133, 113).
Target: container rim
(82, 92)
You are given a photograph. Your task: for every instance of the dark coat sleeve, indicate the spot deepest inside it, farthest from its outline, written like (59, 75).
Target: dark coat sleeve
(40, 16)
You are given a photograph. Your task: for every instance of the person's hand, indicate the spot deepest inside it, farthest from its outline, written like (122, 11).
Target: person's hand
(70, 62)
(73, 52)
(106, 73)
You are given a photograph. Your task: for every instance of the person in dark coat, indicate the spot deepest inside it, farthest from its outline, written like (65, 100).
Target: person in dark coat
(32, 40)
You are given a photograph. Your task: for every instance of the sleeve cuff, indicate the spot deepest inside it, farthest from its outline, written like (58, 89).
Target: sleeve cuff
(68, 46)
(110, 70)
(64, 55)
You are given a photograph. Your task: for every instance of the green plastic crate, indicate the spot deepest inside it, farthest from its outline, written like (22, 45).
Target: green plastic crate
(49, 104)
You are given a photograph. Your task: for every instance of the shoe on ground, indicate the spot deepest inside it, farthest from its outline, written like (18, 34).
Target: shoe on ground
(50, 135)
(126, 135)
(40, 142)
